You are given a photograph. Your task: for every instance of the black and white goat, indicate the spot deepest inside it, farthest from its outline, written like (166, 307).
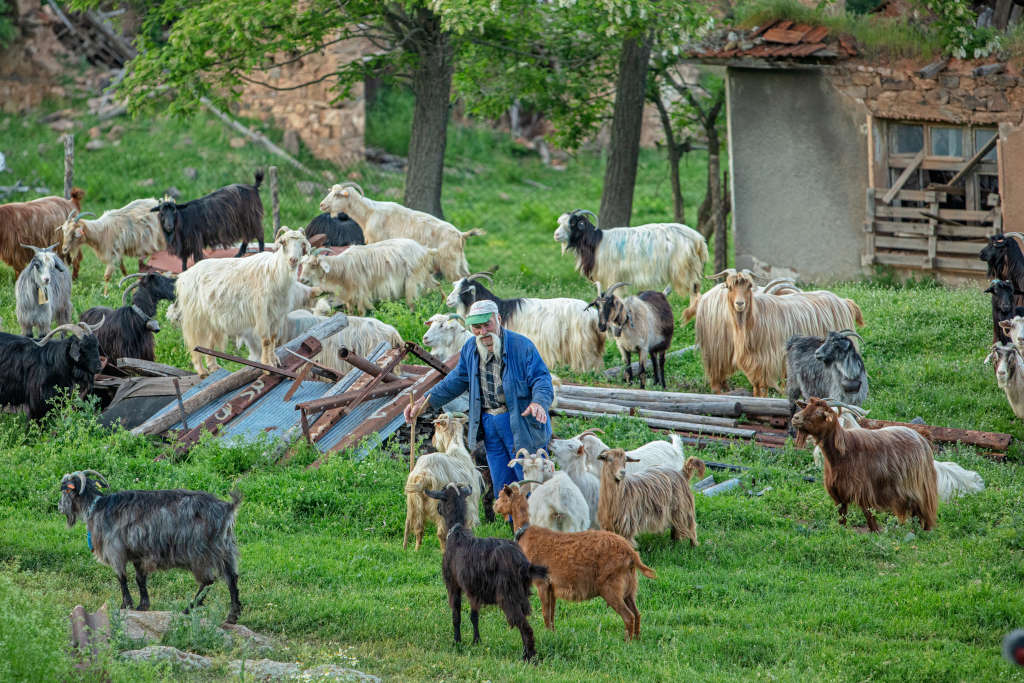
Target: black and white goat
(225, 216)
(42, 294)
(155, 530)
(490, 571)
(34, 372)
(641, 324)
(1003, 296)
(1004, 255)
(340, 230)
(128, 331)
(562, 330)
(652, 255)
(829, 368)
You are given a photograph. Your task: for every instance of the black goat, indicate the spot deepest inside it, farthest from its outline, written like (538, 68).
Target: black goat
(340, 230)
(33, 372)
(1004, 294)
(222, 217)
(154, 530)
(829, 368)
(1004, 255)
(128, 331)
(469, 289)
(491, 571)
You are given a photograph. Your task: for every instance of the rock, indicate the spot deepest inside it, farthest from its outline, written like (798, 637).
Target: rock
(306, 187)
(95, 144)
(94, 132)
(145, 182)
(116, 131)
(173, 191)
(918, 421)
(62, 125)
(245, 635)
(149, 625)
(162, 653)
(909, 537)
(190, 173)
(291, 141)
(269, 670)
(237, 143)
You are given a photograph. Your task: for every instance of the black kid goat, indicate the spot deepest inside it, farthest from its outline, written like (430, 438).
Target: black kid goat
(225, 216)
(1003, 295)
(154, 530)
(129, 330)
(491, 571)
(339, 230)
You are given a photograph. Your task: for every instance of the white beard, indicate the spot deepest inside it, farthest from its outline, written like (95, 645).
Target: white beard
(484, 351)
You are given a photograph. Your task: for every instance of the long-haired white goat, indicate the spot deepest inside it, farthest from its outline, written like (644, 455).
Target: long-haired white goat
(387, 220)
(220, 299)
(556, 503)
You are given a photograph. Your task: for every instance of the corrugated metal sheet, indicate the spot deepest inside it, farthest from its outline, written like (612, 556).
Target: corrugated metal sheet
(218, 375)
(272, 415)
(362, 413)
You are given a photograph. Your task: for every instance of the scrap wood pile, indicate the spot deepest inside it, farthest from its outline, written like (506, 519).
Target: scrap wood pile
(703, 419)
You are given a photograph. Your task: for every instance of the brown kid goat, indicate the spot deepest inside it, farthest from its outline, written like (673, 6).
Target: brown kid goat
(33, 223)
(653, 500)
(581, 565)
(886, 469)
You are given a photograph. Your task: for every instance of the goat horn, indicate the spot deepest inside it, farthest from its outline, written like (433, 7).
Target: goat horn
(73, 328)
(590, 432)
(349, 183)
(456, 316)
(614, 287)
(34, 248)
(127, 291)
(91, 329)
(531, 481)
(130, 277)
(99, 477)
(724, 273)
(849, 333)
(856, 410)
(586, 211)
(87, 213)
(521, 452)
(483, 274)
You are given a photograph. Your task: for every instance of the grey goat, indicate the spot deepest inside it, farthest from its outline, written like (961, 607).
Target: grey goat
(43, 292)
(154, 530)
(641, 324)
(829, 368)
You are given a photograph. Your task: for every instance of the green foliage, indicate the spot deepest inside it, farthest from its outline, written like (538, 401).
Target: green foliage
(7, 29)
(955, 23)
(32, 638)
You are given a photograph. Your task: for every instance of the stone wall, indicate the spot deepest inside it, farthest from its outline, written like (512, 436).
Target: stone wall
(29, 66)
(331, 131)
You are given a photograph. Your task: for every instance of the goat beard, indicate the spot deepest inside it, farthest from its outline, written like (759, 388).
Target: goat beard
(801, 438)
(483, 350)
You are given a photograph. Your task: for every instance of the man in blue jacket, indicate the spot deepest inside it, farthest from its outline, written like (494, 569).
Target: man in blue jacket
(509, 392)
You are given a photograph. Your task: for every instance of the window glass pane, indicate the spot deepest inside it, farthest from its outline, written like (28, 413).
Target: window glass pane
(988, 185)
(947, 142)
(981, 136)
(907, 139)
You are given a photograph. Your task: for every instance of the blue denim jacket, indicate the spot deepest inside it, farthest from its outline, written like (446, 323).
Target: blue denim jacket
(525, 379)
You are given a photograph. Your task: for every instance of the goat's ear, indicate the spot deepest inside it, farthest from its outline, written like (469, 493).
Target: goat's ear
(154, 209)
(990, 357)
(990, 290)
(602, 456)
(579, 451)
(324, 265)
(801, 404)
(75, 350)
(1006, 326)
(464, 490)
(629, 459)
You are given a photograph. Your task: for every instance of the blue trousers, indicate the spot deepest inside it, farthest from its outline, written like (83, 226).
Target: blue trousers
(500, 446)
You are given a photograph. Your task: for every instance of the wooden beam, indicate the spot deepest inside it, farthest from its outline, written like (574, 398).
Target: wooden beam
(145, 367)
(245, 361)
(986, 148)
(992, 441)
(901, 181)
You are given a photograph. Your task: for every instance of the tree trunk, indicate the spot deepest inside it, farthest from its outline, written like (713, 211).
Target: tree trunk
(675, 153)
(620, 174)
(431, 85)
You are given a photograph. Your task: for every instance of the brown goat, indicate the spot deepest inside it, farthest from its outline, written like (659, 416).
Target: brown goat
(886, 469)
(653, 500)
(581, 565)
(34, 223)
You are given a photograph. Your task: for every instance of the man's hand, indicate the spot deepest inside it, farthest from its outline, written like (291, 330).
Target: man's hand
(537, 412)
(413, 410)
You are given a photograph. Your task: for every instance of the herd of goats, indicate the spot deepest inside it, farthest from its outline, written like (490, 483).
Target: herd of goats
(576, 533)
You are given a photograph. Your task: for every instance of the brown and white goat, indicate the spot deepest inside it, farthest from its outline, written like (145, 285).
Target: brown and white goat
(33, 223)
(656, 499)
(581, 565)
(641, 324)
(887, 469)
(763, 323)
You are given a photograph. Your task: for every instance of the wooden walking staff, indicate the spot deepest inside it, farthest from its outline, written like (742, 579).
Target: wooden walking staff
(412, 431)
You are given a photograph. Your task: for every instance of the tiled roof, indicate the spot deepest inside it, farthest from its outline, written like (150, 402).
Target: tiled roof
(776, 40)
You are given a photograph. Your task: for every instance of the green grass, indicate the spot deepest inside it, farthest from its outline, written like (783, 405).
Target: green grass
(776, 590)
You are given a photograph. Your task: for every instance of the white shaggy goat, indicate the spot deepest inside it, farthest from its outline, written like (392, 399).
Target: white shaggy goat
(656, 499)
(364, 274)
(387, 220)
(42, 293)
(450, 464)
(763, 323)
(1009, 374)
(650, 256)
(446, 334)
(572, 458)
(132, 231)
(557, 503)
(656, 453)
(360, 336)
(220, 299)
(564, 332)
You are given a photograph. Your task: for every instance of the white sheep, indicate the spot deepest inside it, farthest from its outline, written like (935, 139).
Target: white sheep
(220, 299)
(650, 256)
(570, 455)
(450, 464)
(362, 275)
(557, 503)
(387, 220)
(132, 231)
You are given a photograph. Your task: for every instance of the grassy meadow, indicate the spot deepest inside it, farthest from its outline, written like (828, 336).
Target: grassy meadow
(776, 589)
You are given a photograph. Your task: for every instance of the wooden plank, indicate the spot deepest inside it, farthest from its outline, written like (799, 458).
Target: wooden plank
(994, 441)
(156, 425)
(914, 213)
(986, 148)
(911, 260)
(971, 264)
(932, 224)
(945, 246)
(747, 404)
(145, 367)
(908, 260)
(920, 195)
(868, 258)
(331, 416)
(905, 243)
(615, 409)
(898, 185)
(667, 424)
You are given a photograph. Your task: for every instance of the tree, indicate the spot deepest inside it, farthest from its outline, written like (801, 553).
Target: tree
(189, 49)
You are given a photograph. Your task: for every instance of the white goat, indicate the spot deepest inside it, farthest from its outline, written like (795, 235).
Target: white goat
(132, 231)
(220, 299)
(557, 503)
(572, 458)
(451, 464)
(651, 454)
(387, 220)
(1009, 374)
(42, 292)
(446, 334)
(650, 256)
(364, 274)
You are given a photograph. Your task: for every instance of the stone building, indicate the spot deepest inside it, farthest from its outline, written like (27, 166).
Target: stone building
(840, 162)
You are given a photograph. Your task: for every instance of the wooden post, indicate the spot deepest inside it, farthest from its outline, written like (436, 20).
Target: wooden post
(868, 259)
(412, 433)
(275, 204)
(933, 226)
(69, 164)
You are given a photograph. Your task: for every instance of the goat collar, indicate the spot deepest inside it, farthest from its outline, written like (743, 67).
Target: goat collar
(521, 530)
(452, 530)
(151, 323)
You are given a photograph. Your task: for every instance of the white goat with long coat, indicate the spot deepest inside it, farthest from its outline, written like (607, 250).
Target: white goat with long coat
(220, 299)
(557, 503)
(42, 292)
(132, 231)
(387, 220)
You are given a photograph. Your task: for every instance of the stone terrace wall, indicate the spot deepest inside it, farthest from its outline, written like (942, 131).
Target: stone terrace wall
(331, 131)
